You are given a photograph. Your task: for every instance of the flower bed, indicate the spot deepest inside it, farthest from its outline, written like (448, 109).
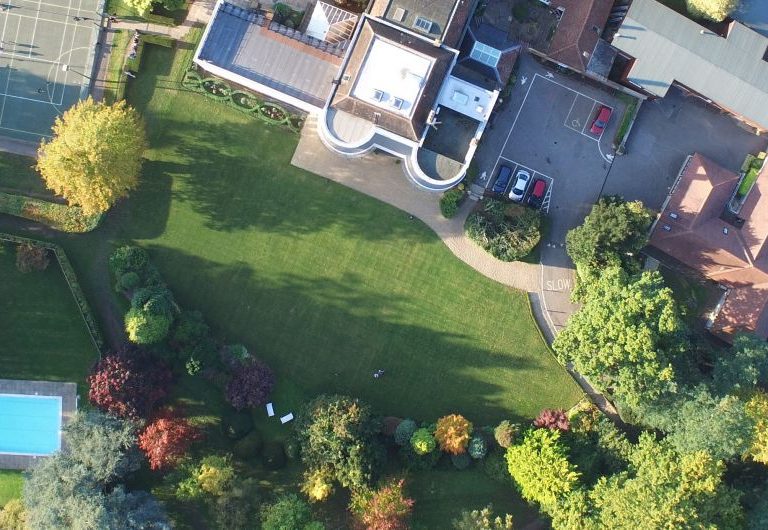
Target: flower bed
(246, 102)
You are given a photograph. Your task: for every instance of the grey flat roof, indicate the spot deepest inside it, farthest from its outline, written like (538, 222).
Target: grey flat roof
(267, 57)
(669, 47)
(436, 11)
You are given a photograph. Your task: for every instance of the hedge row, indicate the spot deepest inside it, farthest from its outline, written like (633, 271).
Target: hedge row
(71, 277)
(245, 102)
(59, 216)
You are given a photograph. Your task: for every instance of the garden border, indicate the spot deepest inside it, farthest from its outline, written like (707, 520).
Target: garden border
(88, 223)
(71, 278)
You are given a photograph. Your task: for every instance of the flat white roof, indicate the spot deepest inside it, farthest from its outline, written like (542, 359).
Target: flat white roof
(392, 77)
(467, 99)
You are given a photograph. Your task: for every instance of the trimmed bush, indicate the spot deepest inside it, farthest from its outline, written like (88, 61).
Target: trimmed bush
(404, 432)
(453, 433)
(317, 485)
(57, 216)
(146, 328)
(249, 447)
(507, 232)
(423, 442)
(128, 259)
(505, 433)
(236, 424)
(478, 447)
(450, 202)
(273, 456)
(128, 281)
(461, 461)
(554, 419)
(250, 384)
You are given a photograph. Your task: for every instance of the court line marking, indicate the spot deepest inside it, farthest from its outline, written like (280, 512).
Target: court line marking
(534, 172)
(34, 31)
(10, 73)
(25, 132)
(45, 3)
(61, 48)
(5, 22)
(46, 101)
(60, 22)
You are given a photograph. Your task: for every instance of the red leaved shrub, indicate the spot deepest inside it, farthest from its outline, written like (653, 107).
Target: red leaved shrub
(554, 419)
(165, 439)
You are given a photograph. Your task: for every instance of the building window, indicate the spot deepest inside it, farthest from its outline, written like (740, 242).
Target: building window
(485, 54)
(423, 24)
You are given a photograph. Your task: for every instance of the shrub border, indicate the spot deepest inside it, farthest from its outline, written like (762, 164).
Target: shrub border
(74, 286)
(89, 223)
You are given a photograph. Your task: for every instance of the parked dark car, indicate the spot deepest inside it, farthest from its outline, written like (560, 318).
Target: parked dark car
(538, 190)
(502, 181)
(601, 120)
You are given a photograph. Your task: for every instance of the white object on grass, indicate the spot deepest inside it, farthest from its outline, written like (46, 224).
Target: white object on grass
(270, 410)
(288, 417)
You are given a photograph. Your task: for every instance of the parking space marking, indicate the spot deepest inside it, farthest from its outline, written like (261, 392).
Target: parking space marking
(515, 166)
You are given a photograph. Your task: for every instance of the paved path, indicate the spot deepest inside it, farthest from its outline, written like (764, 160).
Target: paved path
(19, 147)
(382, 178)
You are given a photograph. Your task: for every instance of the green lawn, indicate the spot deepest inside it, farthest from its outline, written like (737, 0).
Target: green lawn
(10, 485)
(325, 284)
(17, 175)
(43, 335)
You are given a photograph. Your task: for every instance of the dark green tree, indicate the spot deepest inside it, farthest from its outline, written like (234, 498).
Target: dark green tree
(612, 233)
(742, 367)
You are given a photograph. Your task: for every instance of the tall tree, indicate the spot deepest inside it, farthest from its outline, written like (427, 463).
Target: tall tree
(540, 467)
(613, 231)
(698, 421)
(94, 157)
(79, 487)
(715, 10)
(128, 383)
(626, 336)
(660, 490)
(337, 433)
(757, 409)
(743, 366)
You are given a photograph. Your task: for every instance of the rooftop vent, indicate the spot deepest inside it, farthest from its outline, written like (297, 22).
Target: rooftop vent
(674, 215)
(397, 103)
(399, 14)
(423, 24)
(725, 230)
(666, 228)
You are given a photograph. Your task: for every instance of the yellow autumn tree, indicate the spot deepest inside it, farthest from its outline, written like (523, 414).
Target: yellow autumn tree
(94, 158)
(757, 408)
(716, 10)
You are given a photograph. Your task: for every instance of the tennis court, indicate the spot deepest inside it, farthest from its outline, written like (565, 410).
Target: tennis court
(46, 61)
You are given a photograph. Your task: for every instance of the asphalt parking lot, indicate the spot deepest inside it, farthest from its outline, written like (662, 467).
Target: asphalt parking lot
(668, 130)
(544, 127)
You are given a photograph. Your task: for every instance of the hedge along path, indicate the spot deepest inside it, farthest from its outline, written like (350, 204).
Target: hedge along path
(58, 216)
(71, 278)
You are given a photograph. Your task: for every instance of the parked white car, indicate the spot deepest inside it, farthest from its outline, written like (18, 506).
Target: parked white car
(521, 184)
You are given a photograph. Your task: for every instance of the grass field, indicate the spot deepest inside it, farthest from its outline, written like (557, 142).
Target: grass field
(326, 284)
(43, 335)
(17, 175)
(10, 486)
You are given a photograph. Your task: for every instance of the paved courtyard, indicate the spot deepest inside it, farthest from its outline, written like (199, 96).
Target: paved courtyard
(544, 127)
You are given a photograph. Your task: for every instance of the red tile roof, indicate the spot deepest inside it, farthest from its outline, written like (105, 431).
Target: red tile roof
(575, 33)
(737, 258)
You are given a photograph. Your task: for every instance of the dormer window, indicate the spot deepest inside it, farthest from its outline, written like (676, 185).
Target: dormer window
(398, 103)
(378, 95)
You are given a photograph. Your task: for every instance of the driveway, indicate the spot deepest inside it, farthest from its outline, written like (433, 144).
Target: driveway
(544, 128)
(668, 130)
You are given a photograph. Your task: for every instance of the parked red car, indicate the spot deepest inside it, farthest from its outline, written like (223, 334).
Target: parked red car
(601, 120)
(537, 193)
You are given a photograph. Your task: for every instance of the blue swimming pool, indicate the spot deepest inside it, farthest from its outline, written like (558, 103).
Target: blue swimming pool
(30, 425)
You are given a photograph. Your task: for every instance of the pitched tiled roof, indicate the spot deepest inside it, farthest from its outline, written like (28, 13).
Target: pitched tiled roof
(734, 257)
(413, 127)
(576, 34)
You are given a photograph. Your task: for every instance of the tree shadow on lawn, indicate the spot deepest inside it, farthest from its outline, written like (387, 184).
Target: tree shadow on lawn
(238, 176)
(330, 336)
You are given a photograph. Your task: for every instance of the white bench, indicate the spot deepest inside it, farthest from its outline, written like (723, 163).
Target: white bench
(285, 419)
(270, 410)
